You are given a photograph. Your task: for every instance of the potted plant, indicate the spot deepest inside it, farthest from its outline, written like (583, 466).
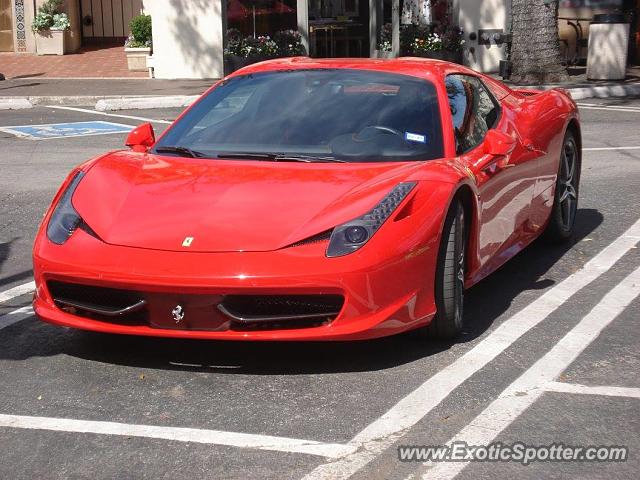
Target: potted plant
(384, 47)
(442, 42)
(242, 51)
(138, 45)
(289, 43)
(49, 27)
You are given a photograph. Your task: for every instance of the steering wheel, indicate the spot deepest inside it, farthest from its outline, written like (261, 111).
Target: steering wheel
(362, 134)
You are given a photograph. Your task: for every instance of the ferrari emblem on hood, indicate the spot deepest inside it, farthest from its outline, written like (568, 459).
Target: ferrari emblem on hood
(187, 242)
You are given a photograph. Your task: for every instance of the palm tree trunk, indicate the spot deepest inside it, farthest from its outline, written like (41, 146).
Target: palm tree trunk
(535, 50)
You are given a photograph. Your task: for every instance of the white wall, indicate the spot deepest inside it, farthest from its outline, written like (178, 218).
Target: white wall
(187, 38)
(486, 14)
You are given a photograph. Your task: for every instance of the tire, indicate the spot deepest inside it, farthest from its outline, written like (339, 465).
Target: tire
(449, 281)
(565, 204)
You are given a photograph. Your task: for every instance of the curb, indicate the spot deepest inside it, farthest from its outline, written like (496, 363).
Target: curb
(595, 91)
(139, 103)
(580, 93)
(14, 103)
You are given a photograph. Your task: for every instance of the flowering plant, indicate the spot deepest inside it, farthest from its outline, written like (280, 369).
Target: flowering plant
(432, 42)
(131, 42)
(289, 43)
(416, 39)
(61, 22)
(262, 46)
(234, 42)
(385, 38)
(141, 35)
(452, 37)
(286, 43)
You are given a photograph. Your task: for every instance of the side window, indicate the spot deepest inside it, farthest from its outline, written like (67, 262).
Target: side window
(473, 109)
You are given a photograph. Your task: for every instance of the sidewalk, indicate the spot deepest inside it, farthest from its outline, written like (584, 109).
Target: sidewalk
(581, 88)
(91, 61)
(107, 94)
(578, 79)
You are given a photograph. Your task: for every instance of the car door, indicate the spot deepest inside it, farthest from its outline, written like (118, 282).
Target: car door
(505, 180)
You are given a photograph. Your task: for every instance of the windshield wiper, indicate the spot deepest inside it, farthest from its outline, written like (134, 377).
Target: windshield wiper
(183, 151)
(277, 157)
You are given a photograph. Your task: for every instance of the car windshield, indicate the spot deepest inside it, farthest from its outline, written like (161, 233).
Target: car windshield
(312, 115)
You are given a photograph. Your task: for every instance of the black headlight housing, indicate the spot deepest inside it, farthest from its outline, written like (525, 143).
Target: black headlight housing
(350, 236)
(65, 219)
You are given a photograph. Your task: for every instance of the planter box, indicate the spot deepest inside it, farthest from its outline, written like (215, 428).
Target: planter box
(50, 42)
(383, 54)
(234, 62)
(137, 58)
(446, 55)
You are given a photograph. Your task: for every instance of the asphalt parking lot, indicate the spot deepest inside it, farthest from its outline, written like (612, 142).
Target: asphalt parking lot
(550, 354)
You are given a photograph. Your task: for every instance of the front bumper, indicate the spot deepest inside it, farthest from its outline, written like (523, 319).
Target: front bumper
(387, 286)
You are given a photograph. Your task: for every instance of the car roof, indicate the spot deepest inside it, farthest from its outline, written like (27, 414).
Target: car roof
(418, 67)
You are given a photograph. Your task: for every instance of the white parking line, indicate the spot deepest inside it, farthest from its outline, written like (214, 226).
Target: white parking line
(17, 291)
(524, 391)
(15, 316)
(194, 435)
(604, 149)
(606, 391)
(94, 112)
(383, 433)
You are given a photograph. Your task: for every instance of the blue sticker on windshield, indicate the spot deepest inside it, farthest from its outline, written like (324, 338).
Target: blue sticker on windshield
(415, 137)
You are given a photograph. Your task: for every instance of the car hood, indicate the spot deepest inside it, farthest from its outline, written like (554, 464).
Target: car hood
(154, 202)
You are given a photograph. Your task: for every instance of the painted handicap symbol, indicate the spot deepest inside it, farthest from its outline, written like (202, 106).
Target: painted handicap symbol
(65, 130)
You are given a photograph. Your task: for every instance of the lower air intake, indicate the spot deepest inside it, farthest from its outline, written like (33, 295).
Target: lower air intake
(281, 308)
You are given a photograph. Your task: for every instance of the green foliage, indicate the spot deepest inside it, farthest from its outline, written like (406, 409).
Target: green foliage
(51, 7)
(289, 43)
(285, 43)
(141, 32)
(61, 22)
(50, 17)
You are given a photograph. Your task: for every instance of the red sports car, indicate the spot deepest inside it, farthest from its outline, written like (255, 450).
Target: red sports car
(304, 199)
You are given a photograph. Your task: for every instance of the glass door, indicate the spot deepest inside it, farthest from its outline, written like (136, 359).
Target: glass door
(6, 26)
(339, 28)
(385, 28)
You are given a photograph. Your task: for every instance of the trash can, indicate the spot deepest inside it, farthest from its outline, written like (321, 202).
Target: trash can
(608, 46)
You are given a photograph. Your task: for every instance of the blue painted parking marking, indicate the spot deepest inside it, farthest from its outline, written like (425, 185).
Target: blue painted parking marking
(65, 130)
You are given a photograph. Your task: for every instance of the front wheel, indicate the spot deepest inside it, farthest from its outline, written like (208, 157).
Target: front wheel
(449, 281)
(565, 204)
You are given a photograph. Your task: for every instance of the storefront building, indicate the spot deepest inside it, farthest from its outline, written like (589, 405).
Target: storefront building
(194, 33)
(189, 36)
(101, 22)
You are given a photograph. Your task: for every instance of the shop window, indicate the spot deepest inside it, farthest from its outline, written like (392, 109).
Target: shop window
(261, 17)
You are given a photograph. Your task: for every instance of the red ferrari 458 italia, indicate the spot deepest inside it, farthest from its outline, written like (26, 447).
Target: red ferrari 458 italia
(305, 199)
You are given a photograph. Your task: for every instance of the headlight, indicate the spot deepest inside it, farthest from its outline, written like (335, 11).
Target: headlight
(64, 219)
(351, 236)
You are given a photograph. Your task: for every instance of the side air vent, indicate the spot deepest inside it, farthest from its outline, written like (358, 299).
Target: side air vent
(320, 237)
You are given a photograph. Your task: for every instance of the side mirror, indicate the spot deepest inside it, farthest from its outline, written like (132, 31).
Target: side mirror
(498, 144)
(141, 138)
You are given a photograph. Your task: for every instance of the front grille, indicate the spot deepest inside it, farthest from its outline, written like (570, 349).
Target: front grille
(288, 311)
(99, 303)
(201, 312)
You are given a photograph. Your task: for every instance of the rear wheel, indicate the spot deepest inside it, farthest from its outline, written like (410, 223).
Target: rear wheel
(565, 205)
(449, 282)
